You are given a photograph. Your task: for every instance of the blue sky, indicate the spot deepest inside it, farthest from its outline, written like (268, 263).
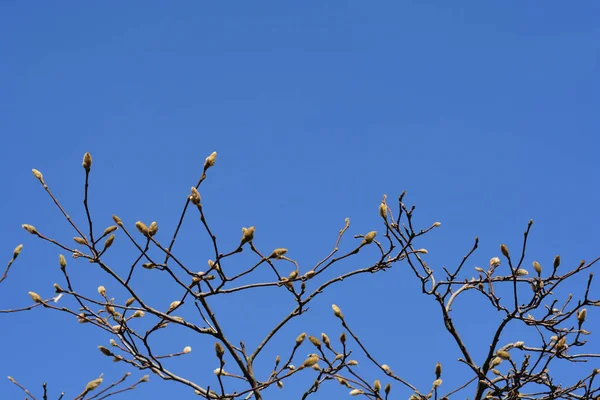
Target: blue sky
(485, 112)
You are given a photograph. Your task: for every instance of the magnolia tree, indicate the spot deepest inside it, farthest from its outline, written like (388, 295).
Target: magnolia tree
(507, 371)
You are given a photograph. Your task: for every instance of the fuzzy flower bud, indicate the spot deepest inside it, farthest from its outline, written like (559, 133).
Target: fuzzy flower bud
(494, 262)
(504, 250)
(17, 251)
(521, 272)
(101, 290)
(109, 241)
(300, 338)
(219, 350)
(278, 253)
(35, 297)
(581, 315)
(537, 267)
(247, 235)
(174, 305)
(195, 196)
(368, 239)
(187, 349)
(142, 228)
(337, 311)
(438, 370)
(93, 384)
(556, 261)
(210, 160)
(87, 161)
(38, 175)
(30, 228)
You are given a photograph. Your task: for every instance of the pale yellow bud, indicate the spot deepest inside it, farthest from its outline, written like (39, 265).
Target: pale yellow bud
(129, 301)
(537, 267)
(210, 160)
(109, 241)
(521, 272)
(142, 228)
(495, 361)
(138, 314)
(38, 175)
(352, 363)
(356, 392)
(87, 161)
(314, 341)
(79, 240)
(342, 381)
(478, 269)
(377, 385)
(503, 354)
(310, 361)
(437, 224)
(101, 290)
(110, 230)
(383, 210)
(187, 349)
(17, 251)
(422, 251)
(519, 345)
(112, 342)
(494, 262)
(437, 383)
(300, 338)
(581, 315)
(278, 253)
(153, 228)
(117, 220)
(145, 378)
(337, 312)
(368, 239)
(30, 228)
(57, 288)
(195, 196)
(325, 339)
(386, 368)
(35, 297)
(93, 384)
(279, 384)
(293, 275)
(247, 235)
(174, 305)
(309, 274)
(62, 261)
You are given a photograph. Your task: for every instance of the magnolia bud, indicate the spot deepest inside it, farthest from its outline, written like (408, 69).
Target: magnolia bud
(337, 312)
(102, 290)
(93, 384)
(62, 261)
(79, 240)
(142, 228)
(219, 350)
(247, 235)
(153, 228)
(38, 175)
(377, 385)
(503, 354)
(187, 349)
(311, 360)
(210, 160)
(300, 338)
(437, 383)
(87, 161)
(174, 305)
(314, 341)
(494, 262)
(368, 239)
(438, 370)
(383, 210)
(195, 196)
(537, 267)
(556, 261)
(117, 220)
(521, 272)
(35, 297)
(17, 251)
(581, 315)
(504, 250)
(109, 241)
(30, 228)
(278, 253)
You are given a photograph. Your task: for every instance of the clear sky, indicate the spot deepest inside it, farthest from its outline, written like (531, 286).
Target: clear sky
(485, 112)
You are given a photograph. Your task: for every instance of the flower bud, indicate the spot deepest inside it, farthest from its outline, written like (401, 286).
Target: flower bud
(356, 392)
(521, 272)
(153, 228)
(109, 241)
(35, 297)
(87, 161)
(117, 220)
(309, 274)
(437, 383)
(17, 251)
(368, 239)
(210, 160)
(138, 314)
(337, 312)
(278, 253)
(129, 301)
(38, 175)
(247, 235)
(62, 261)
(537, 267)
(311, 360)
(79, 240)
(556, 261)
(438, 370)
(174, 305)
(102, 291)
(93, 384)
(377, 385)
(187, 349)
(343, 337)
(314, 341)
(105, 351)
(195, 196)
(57, 288)
(219, 350)
(142, 228)
(325, 339)
(387, 389)
(503, 354)
(383, 210)
(581, 315)
(300, 338)
(110, 230)
(504, 250)
(494, 262)
(30, 228)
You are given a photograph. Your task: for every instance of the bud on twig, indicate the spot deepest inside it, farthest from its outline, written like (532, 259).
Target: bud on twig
(504, 250)
(494, 262)
(17, 251)
(195, 196)
(556, 261)
(337, 312)
(30, 228)
(537, 267)
(300, 338)
(187, 349)
(438, 370)
(278, 253)
(62, 261)
(87, 162)
(38, 175)
(210, 160)
(109, 241)
(219, 350)
(142, 228)
(581, 315)
(93, 384)
(368, 239)
(35, 297)
(102, 291)
(247, 235)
